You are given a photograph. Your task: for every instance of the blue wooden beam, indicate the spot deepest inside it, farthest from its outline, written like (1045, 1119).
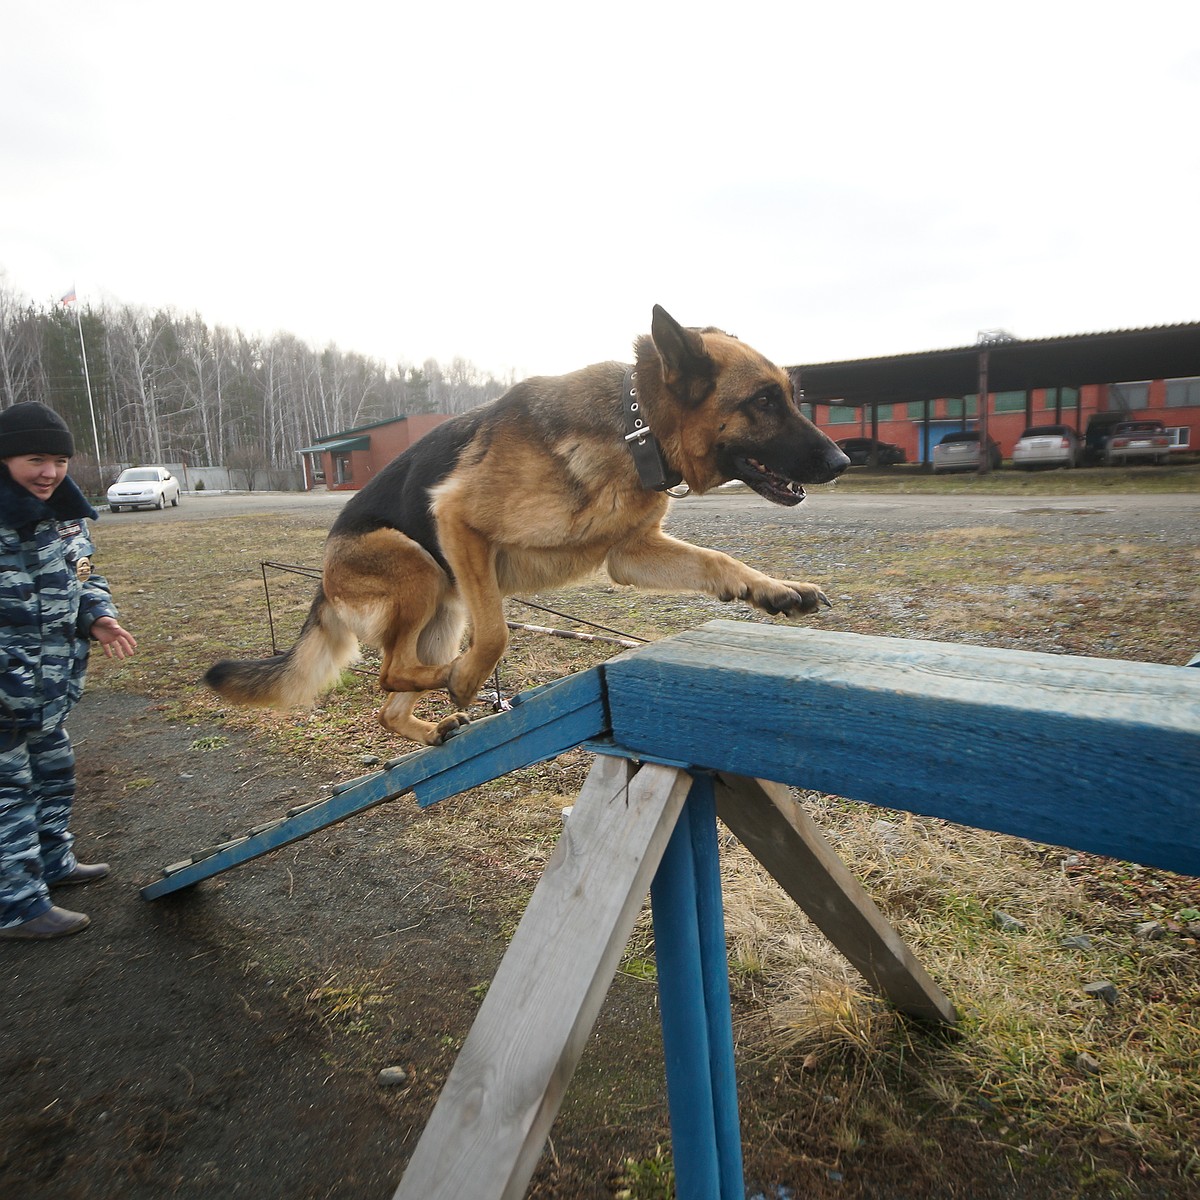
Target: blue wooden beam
(714, 965)
(1096, 754)
(694, 1141)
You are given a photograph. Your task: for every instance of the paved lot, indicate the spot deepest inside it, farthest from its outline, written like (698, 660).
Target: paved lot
(823, 509)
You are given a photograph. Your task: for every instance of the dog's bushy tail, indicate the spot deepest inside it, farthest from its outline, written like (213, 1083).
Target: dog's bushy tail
(295, 679)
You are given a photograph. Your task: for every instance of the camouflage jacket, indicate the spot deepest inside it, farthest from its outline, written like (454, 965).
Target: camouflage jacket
(49, 597)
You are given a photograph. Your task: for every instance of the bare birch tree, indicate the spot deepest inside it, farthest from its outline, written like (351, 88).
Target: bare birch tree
(167, 387)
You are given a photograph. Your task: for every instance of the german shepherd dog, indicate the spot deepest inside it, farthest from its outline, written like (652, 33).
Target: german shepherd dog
(534, 490)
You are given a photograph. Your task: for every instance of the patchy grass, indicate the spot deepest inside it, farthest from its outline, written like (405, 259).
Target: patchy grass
(348, 1004)
(1036, 1062)
(651, 1178)
(1104, 1099)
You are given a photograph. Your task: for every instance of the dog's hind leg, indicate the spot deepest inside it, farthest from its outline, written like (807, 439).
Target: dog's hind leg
(422, 640)
(415, 663)
(472, 558)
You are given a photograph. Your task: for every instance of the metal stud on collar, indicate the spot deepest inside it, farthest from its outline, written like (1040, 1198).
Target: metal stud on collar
(641, 428)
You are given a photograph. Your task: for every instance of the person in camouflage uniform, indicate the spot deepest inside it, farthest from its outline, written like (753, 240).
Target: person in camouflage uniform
(51, 603)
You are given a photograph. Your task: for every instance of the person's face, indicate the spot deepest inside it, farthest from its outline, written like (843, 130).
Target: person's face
(38, 473)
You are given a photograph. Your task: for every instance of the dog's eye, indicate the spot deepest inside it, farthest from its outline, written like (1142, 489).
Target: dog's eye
(767, 397)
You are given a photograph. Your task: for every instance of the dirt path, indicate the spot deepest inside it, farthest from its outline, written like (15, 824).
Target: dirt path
(205, 1044)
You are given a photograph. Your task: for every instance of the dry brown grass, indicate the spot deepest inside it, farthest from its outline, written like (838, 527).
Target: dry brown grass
(193, 593)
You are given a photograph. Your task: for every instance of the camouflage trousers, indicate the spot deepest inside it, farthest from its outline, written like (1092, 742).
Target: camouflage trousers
(37, 787)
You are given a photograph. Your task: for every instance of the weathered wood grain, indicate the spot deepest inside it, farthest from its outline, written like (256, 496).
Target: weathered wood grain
(1096, 754)
(500, 1099)
(782, 836)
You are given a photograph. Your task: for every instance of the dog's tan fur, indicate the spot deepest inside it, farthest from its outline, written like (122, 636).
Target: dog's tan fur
(533, 491)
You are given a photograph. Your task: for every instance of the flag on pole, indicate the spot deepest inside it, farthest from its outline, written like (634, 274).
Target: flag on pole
(68, 297)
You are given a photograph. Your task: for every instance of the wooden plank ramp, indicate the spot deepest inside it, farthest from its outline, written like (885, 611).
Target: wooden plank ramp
(542, 724)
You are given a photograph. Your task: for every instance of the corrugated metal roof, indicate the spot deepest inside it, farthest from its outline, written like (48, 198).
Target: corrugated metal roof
(1156, 352)
(357, 443)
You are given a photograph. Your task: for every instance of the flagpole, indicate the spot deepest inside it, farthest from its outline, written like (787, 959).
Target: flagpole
(87, 380)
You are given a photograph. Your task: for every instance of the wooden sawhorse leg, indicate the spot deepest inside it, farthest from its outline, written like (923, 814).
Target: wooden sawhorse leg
(782, 836)
(491, 1122)
(630, 832)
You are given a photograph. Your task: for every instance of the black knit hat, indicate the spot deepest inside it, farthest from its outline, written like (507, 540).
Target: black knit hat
(32, 428)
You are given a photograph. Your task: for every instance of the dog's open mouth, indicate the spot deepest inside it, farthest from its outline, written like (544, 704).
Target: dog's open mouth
(769, 484)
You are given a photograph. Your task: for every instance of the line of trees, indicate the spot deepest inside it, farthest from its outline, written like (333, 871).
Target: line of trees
(170, 388)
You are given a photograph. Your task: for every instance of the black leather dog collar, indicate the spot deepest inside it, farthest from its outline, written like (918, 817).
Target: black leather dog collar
(643, 445)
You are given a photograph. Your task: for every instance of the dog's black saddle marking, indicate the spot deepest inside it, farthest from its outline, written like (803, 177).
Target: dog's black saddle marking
(652, 469)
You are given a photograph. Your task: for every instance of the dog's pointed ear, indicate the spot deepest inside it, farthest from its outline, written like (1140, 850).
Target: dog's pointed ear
(687, 368)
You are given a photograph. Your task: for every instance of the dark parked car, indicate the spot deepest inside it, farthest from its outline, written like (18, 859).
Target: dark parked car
(962, 452)
(1099, 429)
(858, 451)
(1046, 446)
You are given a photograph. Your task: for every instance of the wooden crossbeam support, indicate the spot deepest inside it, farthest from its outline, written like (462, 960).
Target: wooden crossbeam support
(782, 836)
(495, 1112)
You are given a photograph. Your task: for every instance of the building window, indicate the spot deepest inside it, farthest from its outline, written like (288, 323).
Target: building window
(1008, 402)
(916, 410)
(341, 468)
(1183, 393)
(1068, 398)
(883, 412)
(842, 414)
(1129, 396)
(965, 406)
(806, 410)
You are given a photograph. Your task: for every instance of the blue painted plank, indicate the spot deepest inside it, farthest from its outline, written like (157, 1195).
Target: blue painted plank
(543, 723)
(1096, 754)
(292, 829)
(714, 968)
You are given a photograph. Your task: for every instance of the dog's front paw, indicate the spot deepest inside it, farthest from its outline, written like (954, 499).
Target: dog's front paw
(783, 597)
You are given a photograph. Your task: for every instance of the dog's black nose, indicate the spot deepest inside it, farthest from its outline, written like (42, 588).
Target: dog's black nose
(837, 462)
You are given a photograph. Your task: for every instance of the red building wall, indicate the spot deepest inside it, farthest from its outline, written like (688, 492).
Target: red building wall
(387, 440)
(903, 425)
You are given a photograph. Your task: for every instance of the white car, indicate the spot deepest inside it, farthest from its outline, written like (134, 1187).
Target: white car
(963, 452)
(143, 487)
(1046, 446)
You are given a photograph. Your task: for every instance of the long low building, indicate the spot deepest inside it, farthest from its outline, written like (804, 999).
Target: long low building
(914, 400)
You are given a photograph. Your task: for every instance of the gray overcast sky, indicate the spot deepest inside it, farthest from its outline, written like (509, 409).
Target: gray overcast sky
(519, 183)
